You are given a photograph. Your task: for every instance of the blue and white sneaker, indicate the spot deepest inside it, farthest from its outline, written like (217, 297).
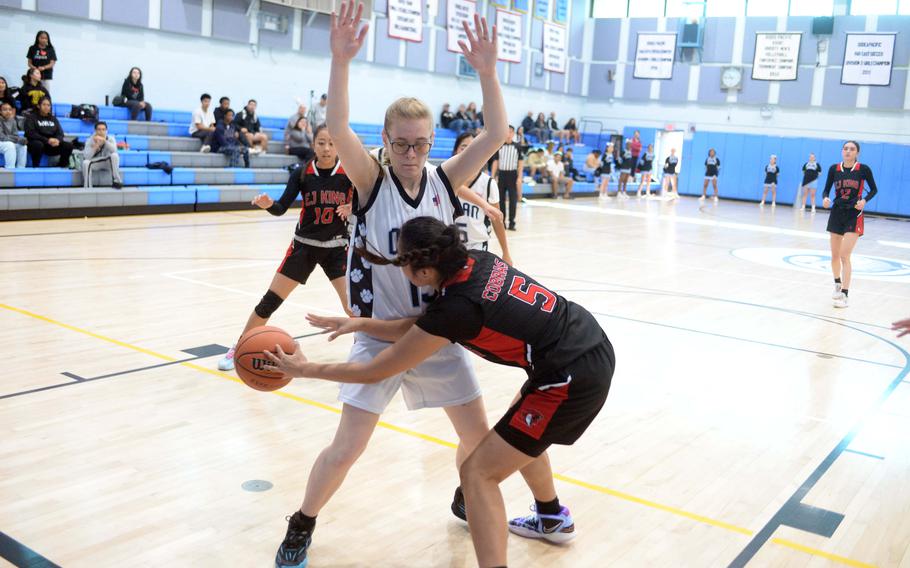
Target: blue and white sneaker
(226, 363)
(560, 529)
(292, 552)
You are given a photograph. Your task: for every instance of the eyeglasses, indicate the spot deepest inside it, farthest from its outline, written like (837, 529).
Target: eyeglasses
(401, 147)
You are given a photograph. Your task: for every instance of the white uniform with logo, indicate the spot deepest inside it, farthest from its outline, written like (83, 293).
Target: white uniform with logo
(383, 292)
(474, 222)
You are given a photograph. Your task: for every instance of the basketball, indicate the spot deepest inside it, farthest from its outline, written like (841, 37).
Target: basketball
(251, 363)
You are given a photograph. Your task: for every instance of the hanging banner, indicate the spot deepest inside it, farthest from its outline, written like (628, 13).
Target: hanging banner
(500, 3)
(458, 11)
(542, 9)
(406, 20)
(654, 56)
(561, 11)
(521, 6)
(868, 59)
(776, 56)
(554, 48)
(508, 26)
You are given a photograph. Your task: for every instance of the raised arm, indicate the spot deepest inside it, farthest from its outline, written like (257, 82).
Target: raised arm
(407, 353)
(346, 39)
(482, 56)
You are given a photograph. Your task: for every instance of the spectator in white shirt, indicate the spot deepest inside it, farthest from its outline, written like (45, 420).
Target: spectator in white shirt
(558, 177)
(317, 113)
(202, 125)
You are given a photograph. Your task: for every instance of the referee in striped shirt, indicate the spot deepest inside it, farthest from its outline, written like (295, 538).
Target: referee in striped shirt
(506, 170)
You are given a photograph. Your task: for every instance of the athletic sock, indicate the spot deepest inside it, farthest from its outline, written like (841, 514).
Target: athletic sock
(837, 280)
(307, 523)
(845, 291)
(548, 508)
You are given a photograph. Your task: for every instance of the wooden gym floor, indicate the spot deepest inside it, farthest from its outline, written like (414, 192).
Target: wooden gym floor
(749, 423)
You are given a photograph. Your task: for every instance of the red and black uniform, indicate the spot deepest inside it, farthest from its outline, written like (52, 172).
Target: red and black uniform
(321, 235)
(848, 184)
(508, 318)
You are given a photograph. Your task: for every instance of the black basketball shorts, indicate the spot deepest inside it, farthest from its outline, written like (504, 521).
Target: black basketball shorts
(843, 220)
(300, 261)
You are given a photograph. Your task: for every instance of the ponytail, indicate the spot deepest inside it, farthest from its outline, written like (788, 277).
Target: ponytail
(425, 242)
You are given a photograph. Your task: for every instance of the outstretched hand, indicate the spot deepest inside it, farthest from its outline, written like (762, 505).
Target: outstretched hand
(346, 36)
(481, 52)
(903, 327)
(333, 325)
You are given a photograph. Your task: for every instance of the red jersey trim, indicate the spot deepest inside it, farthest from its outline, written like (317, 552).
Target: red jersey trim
(537, 410)
(462, 275)
(501, 345)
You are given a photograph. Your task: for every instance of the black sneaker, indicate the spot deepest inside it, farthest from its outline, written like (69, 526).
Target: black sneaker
(117, 185)
(458, 505)
(511, 228)
(292, 552)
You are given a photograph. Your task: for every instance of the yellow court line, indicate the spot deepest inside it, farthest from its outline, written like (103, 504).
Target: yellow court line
(440, 441)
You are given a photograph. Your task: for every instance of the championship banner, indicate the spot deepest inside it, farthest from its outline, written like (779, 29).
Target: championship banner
(542, 9)
(561, 11)
(521, 6)
(868, 59)
(776, 56)
(406, 20)
(508, 26)
(654, 56)
(554, 48)
(458, 11)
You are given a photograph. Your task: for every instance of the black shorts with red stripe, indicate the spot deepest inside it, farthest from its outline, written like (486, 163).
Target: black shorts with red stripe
(559, 412)
(843, 220)
(300, 261)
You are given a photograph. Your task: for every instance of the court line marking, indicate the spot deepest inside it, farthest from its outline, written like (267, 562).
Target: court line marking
(868, 455)
(426, 437)
(146, 227)
(702, 222)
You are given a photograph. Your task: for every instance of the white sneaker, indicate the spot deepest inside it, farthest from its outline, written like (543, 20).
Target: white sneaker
(841, 302)
(227, 362)
(762, 204)
(715, 199)
(205, 149)
(702, 198)
(532, 526)
(837, 291)
(773, 204)
(813, 208)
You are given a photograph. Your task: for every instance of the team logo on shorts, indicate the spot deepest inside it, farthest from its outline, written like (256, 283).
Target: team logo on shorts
(819, 262)
(532, 418)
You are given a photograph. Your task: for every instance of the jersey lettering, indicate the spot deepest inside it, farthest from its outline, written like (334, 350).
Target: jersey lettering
(531, 292)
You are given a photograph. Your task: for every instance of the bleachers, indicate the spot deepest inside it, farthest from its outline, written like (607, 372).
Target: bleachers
(197, 180)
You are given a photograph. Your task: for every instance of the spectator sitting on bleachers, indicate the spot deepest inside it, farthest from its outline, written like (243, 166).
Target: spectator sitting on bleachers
(45, 136)
(559, 177)
(202, 125)
(592, 163)
(292, 122)
(480, 116)
(224, 105)
(527, 123)
(445, 117)
(553, 127)
(6, 94)
(100, 154)
(537, 166)
(568, 159)
(12, 146)
(317, 113)
(460, 123)
(133, 93)
(541, 131)
(250, 130)
(227, 141)
(473, 119)
(32, 91)
(41, 56)
(521, 141)
(570, 132)
(298, 141)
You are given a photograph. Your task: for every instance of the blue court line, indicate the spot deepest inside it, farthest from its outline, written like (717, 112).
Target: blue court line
(20, 555)
(865, 454)
(78, 380)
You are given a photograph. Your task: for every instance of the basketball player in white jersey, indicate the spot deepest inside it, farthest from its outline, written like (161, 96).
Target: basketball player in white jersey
(476, 223)
(386, 196)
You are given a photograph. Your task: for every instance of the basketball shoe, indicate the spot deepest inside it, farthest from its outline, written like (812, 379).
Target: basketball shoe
(292, 552)
(553, 528)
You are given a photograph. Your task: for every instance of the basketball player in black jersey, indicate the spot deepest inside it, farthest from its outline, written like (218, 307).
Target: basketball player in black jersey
(712, 168)
(845, 223)
(320, 236)
(506, 317)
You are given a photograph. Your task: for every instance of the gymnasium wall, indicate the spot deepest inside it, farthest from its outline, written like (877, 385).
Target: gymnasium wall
(209, 45)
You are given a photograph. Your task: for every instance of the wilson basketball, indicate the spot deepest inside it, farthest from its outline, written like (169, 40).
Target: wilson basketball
(251, 364)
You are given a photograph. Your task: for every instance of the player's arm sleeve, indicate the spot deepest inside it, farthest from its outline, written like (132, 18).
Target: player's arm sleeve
(291, 190)
(872, 189)
(829, 182)
(453, 317)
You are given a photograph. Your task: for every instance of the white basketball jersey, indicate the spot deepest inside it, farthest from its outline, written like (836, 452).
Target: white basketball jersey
(383, 292)
(474, 222)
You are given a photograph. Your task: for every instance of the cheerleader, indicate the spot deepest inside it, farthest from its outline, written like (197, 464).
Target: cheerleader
(712, 168)
(811, 171)
(606, 171)
(771, 173)
(626, 165)
(670, 175)
(647, 164)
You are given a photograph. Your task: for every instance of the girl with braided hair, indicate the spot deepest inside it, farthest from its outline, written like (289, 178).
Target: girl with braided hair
(387, 195)
(506, 317)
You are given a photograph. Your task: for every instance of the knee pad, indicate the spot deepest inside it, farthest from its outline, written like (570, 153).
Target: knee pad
(268, 304)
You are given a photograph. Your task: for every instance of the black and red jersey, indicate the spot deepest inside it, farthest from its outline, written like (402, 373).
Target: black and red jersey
(849, 184)
(321, 191)
(507, 317)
